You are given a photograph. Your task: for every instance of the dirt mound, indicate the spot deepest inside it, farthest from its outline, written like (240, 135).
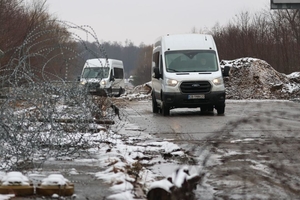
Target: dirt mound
(252, 78)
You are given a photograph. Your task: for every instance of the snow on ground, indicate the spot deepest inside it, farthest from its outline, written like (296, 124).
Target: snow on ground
(124, 162)
(123, 152)
(120, 154)
(6, 196)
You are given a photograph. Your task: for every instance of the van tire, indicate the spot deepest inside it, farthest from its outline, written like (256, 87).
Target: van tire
(165, 110)
(121, 91)
(154, 104)
(109, 92)
(220, 109)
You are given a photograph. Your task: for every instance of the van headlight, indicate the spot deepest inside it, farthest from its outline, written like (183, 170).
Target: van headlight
(103, 82)
(218, 81)
(171, 82)
(83, 82)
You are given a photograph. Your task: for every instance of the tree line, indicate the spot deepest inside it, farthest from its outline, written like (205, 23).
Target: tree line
(273, 36)
(34, 42)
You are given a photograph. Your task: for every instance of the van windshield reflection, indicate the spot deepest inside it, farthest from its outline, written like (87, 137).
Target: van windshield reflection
(96, 72)
(191, 61)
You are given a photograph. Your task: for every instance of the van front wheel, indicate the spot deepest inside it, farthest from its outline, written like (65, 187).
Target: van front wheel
(121, 91)
(165, 110)
(154, 104)
(220, 109)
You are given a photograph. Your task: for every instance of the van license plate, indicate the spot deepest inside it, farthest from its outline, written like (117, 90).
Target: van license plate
(196, 96)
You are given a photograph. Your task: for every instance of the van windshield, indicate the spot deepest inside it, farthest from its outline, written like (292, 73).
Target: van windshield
(95, 72)
(191, 61)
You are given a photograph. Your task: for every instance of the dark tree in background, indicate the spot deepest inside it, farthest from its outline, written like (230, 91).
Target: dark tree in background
(33, 42)
(13, 28)
(142, 73)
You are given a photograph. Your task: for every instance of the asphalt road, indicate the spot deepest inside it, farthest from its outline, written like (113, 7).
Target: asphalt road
(250, 152)
(248, 118)
(251, 149)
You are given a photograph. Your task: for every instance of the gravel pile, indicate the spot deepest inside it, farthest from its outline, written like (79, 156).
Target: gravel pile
(252, 78)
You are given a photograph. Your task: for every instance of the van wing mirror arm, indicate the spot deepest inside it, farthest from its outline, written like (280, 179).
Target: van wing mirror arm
(225, 70)
(156, 72)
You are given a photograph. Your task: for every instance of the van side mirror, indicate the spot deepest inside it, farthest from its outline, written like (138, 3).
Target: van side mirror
(78, 78)
(155, 73)
(112, 78)
(225, 70)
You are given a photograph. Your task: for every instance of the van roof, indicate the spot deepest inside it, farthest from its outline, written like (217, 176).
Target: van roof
(102, 62)
(186, 41)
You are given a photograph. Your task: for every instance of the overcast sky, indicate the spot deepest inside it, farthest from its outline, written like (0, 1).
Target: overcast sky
(145, 20)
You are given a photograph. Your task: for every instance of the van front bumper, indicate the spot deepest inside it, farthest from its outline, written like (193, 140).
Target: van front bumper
(95, 89)
(179, 100)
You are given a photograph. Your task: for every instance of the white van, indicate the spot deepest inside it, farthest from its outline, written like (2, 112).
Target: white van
(186, 73)
(103, 76)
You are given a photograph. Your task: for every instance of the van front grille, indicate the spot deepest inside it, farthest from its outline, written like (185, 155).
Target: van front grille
(195, 87)
(93, 85)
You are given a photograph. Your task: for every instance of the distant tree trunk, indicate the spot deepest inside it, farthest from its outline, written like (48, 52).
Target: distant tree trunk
(142, 72)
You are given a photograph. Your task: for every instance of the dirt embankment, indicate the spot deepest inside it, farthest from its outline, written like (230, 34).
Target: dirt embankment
(255, 79)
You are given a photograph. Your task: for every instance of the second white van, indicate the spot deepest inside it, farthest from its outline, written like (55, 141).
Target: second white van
(103, 76)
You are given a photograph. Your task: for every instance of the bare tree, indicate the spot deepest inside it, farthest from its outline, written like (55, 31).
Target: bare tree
(272, 36)
(143, 71)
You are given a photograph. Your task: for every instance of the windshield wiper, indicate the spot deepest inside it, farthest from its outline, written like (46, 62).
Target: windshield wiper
(173, 70)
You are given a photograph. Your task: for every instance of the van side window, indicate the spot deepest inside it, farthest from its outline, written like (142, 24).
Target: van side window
(156, 59)
(118, 73)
